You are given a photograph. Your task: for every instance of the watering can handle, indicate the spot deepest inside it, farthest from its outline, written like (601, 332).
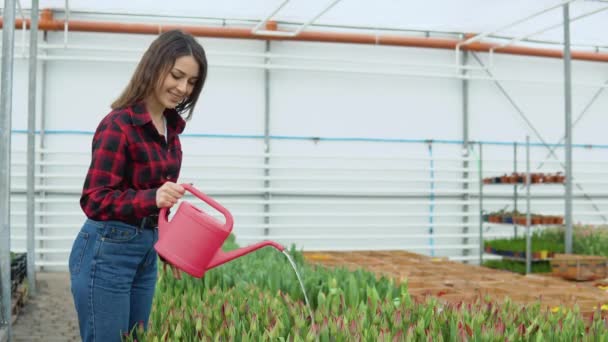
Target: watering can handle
(229, 220)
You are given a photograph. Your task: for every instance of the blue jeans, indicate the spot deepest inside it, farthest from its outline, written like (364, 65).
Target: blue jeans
(113, 275)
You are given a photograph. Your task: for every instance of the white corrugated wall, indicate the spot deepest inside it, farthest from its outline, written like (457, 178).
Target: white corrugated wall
(369, 182)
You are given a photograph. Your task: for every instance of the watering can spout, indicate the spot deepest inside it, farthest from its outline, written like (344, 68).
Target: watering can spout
(223, 257)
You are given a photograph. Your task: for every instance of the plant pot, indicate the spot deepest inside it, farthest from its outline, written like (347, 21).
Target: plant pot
(540, 255)
(521, 220)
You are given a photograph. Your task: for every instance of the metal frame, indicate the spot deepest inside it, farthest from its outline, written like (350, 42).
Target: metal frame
(383, 71)
(6, 84)
(257, 29)
(267, 139)
(568, 128)
(31, 150)
(486, 34)
(245, 20)
(66, 24)
(523, 37)
(565, 5)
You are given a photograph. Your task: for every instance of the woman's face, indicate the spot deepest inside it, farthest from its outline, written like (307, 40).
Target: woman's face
(179, 82)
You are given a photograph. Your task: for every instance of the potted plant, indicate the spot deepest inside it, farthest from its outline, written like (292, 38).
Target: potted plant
(519, 219)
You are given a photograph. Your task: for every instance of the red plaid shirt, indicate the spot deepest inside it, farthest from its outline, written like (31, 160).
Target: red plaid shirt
(130, 161)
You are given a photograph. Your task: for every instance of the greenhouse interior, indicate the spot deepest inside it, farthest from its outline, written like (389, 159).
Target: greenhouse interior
(438, 177)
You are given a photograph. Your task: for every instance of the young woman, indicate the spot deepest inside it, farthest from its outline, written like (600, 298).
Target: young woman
(136, 160)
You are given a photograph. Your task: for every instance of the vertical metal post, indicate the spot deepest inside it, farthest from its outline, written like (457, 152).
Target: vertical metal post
(431, 200)
(515, 186)
(6, 94)
(31, 151)
(568, 111)
(266, 142)
(528, 217)
(42, 194)
(465, 153)
(481, 249)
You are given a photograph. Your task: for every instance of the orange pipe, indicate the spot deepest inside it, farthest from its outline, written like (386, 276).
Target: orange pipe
(47, 23)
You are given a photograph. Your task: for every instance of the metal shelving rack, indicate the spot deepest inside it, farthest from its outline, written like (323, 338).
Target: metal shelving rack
(528, 226)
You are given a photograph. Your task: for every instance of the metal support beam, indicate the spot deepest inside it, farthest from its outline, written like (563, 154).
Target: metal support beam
(258, 28)
(515, 186)
(588, 106)
(41, 144)
(568, 112)
(486, 34)
(6, 94)
(465, 150)
(480, 167)
(528, 214)
(515, 106)
(561, 140)
(545, 29)
(266, 139)
(31, 151)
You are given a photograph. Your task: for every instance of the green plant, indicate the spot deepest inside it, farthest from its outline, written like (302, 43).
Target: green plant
(252, 299)
(590, 240)
(249, 313)
(517, 266)
(545, 240)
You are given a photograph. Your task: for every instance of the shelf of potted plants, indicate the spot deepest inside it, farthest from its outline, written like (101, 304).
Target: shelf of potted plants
(514, 218)
(520, 178)
(517, 218)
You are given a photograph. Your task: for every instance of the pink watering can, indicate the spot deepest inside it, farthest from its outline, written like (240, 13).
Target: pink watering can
(192, 241)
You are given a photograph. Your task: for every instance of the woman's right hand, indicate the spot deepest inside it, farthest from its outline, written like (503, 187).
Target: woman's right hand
(168, 194)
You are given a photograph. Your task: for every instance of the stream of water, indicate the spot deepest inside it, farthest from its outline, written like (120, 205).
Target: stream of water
(295, 269)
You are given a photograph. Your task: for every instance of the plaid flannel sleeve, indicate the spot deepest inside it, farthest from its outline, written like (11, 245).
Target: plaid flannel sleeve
(104, 196)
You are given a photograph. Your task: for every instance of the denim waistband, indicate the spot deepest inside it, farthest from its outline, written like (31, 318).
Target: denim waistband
(141, 223)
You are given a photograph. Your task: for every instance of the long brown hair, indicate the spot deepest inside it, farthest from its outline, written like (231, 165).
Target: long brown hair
(155, 65)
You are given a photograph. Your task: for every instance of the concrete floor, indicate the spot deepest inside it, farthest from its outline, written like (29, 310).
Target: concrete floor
(49, 316)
